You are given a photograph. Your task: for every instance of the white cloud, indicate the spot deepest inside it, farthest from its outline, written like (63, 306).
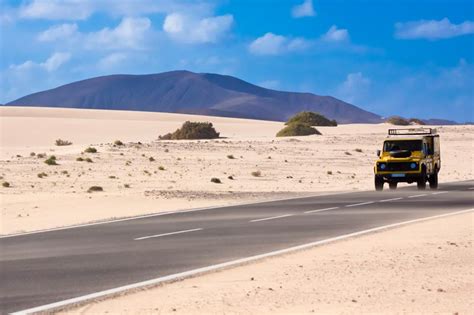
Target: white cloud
(56, 32)
(335, 34)
(272, 44)
(354, 88)
(83, 9)
(112, 60)
(304, 9)
(432, 29)
(55, 61)
(57, 9)
(130, 33)
(189, 29)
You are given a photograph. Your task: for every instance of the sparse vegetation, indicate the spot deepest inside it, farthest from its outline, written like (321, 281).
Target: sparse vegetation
(230, 177)
(6, 184)
(118, 143)
(79, 159)
(311, 119)
(126, 185)
(88, 160)
(41, 155)
(358, 150)
(397, 121)
(161, 168)
(230, 157)
(347, 153)
(416, 121)
(151, 159)
(193, 131)
(51, 160)
(32, 154)
(95, 189)
(61, 142)
(90, 150)
(216, 180)
(329, 172)
(297, 129)
(42, 174)
(256, 173)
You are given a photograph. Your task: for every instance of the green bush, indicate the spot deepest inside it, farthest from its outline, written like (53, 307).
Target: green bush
(90, 150)
(416, 121)
(397, 121)
(297, 129)
(95, 188)
(312, 119)
(192, 131)
(51, 160)
(61, 142)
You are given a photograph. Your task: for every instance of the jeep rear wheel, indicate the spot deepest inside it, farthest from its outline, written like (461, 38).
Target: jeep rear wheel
(434, 180)
(392, 185)
(421, 182)
(378, 183)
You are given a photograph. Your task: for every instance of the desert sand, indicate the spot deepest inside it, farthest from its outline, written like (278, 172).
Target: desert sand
(423, 268)
(146, 175)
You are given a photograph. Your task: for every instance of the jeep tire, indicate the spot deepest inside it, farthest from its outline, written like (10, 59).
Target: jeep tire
(378, 183)
(433, 180)
(421, 182)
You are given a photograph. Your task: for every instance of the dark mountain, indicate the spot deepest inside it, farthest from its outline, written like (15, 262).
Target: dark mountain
(194, 93)
(435, 121)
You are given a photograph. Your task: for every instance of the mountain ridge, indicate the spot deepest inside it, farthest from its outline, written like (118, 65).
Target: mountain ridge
(183, 91)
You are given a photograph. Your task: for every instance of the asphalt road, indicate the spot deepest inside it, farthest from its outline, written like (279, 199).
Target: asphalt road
(43, 268)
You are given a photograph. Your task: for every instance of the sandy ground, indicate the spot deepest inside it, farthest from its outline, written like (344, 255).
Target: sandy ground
(147, 176)
(420, 268)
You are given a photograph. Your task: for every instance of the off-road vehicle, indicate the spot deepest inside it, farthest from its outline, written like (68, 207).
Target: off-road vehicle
(410, 156)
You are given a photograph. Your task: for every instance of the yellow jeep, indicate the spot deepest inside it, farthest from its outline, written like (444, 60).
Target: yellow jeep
(409, 155)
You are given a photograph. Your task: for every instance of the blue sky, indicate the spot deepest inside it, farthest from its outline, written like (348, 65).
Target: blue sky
(410, 58)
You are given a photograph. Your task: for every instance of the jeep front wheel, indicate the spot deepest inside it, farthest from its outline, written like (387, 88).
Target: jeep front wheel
(378, 183)
(421, 182)
(433, 180)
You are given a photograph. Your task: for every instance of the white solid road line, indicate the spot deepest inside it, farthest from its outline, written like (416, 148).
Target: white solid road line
(392, 199)
(271, 218)
(471, 188)
(321, 210)
(165, 234)
(186, 274)
(360, 204)
(416, 196)
(439, 192)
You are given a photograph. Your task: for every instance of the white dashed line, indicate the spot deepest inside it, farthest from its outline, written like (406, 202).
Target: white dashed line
(416, 196)
(321, 210)
(471, 188)
(439, 192)
(272, 218)
(166, 234)
(393, 199)
(360, 204)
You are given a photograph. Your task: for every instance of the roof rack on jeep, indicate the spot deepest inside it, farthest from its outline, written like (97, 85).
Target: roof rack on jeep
(412, 131)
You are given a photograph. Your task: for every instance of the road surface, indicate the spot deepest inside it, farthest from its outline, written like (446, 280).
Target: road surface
(43, 268)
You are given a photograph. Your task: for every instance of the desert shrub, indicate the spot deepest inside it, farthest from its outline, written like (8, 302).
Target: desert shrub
(312, 119)
(61, 142)
(51, 160)
(95, 189)
(88, 160)
(32, 154)
(230, 157)
(230, 177)
(297, 129)
(79, 159)
(118, 142)
(347, 153)
(126, 185)
(397, 121)
(161, 168)
(256, 173)
(43, 174)
(358, 150)
(41, 155)
(192, 131)
(416, 121)
(216, 180)
(151, 159)
(90, 150)
(6, 184)
(329, 172)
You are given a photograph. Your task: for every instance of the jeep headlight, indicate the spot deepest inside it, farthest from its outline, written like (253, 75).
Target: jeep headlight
(382, 166)
(413, 166)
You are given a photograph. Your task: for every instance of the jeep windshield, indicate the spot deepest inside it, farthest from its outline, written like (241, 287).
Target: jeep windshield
(402, 145)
